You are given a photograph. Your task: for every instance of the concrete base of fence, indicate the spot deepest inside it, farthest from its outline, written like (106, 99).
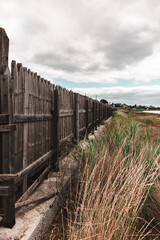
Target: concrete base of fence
(32, 222)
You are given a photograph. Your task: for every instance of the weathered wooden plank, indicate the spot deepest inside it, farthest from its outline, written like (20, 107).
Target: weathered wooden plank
(43, 112)
(32, 145)
(33, 166)
(39, 200)
(93, 116)
(9, 205)
(76, 117)
(86, 118)
(4, 191)
(26, 112)
(20, 126)
(11, 124)
(4, 94)
(56, 129)
(63, 140)
(14, 74)
(34, 140)
(49, 111)
(40, 112)
(1, 160)
(63, 115)
(36, 112)
(31, 189)
(7, 128)
(6, 177)
(25, 129)
(30, 124)
(47, 122)
(11, 149)
(60, 105)
(82, 111)
(96, 113)
(4, 118)
(32, 118)
(99, 112)
(5, 135)
(20, 88)
(4, 49)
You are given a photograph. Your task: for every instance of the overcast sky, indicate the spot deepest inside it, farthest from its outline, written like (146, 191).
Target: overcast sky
(104, 48)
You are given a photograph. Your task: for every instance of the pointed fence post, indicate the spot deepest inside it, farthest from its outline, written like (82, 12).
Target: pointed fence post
(6, 132)
(4, 48)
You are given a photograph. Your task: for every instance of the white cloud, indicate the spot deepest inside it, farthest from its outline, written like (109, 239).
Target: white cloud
(148, 95)
(85, 40)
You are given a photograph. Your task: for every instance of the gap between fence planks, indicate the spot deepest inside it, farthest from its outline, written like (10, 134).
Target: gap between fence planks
(32, 166)
(31, 189)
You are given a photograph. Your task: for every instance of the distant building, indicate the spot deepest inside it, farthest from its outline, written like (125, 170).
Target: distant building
(118, 104)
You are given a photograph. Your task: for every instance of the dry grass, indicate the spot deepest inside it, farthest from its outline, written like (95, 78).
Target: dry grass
(118, 192)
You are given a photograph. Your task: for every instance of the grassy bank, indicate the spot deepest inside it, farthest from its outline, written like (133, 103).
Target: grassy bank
(117, 195)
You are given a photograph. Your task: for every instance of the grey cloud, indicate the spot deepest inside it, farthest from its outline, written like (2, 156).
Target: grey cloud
(35, 26)
(82, 39)
(127, 47)
(93, 67)
(69, 59)
(148, 95)
(56, 61)
(120, 48)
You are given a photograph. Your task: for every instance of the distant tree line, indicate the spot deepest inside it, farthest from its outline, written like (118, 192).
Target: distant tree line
(135, 106)
(104, 101)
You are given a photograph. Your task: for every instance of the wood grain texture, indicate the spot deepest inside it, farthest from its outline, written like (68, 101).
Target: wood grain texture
(4, 49)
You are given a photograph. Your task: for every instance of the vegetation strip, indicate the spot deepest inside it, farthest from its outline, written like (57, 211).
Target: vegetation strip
(117, 193)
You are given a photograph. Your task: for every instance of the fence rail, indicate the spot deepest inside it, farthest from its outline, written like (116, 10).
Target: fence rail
(37, 121)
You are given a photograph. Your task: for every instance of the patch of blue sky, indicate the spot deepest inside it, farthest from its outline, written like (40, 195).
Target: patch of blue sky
(154, 82)
(121, 83)
(68, 84)
(134, 83)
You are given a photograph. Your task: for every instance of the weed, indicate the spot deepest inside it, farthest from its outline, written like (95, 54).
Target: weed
(118, 196)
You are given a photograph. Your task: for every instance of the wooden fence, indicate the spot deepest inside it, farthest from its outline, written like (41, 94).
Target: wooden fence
(38, 120)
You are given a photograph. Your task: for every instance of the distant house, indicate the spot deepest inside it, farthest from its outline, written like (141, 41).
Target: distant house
(118, 104)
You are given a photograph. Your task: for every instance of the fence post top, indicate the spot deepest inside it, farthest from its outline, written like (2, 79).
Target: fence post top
(4, 49)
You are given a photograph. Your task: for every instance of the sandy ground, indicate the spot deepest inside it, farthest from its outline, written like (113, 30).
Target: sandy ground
(28, 218)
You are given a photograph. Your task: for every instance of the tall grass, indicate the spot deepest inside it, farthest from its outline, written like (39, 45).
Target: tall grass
(118, 193)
